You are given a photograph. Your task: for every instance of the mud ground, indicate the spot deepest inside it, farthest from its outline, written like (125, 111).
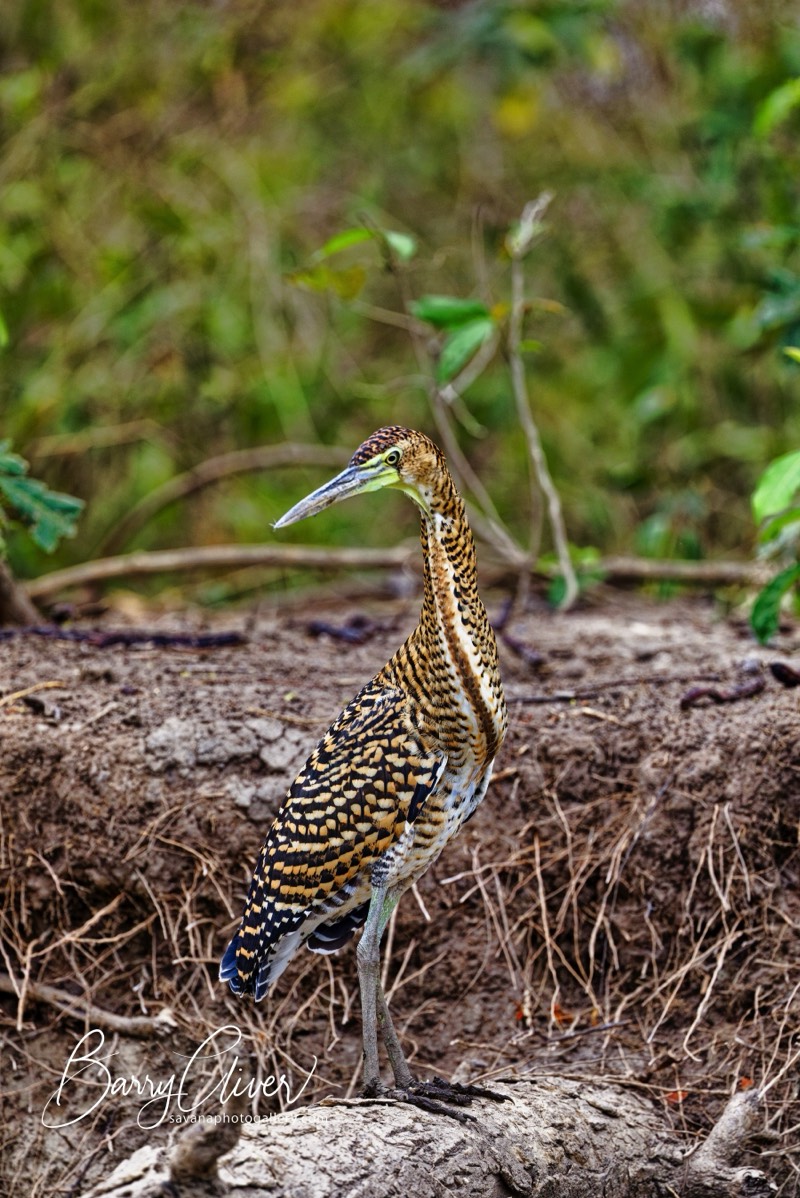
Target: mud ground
(624, 904)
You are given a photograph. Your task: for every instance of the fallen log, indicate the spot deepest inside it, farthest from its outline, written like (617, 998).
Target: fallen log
(556, 1137)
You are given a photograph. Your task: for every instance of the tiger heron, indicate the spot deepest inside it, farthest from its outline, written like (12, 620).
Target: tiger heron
(393, 779)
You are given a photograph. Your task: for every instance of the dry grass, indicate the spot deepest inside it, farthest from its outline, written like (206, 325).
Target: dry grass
(688, 989)
(649, 936)
(697, 997)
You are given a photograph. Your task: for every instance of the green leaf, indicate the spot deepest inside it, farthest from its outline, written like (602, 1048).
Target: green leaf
(50, 514)
(771, 528)
(765, 616)
(403, 244)
(4, 338)
(793, 352)
(460, 345)
(777, 486)
(448, 311)
(11, 463)
(587, 576)
(342, 241)
(778, 105)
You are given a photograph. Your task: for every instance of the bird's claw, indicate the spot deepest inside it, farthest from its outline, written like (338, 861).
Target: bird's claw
(438, 1096)
(432, 1098)
(466, 1092)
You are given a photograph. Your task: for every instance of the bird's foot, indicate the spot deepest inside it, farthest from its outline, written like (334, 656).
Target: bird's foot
(438, 1096)
(458, 1092)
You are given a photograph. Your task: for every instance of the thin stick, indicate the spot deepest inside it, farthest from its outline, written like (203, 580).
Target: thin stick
(215, 557)
(703, 1007)
(29, 690)
(105, 437)
(299, 557)
(485, 520)
(518, 246)
(213, 470)
(141, 1026)
(79, 932)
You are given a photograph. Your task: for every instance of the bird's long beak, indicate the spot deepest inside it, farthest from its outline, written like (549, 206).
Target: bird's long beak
(353, 480)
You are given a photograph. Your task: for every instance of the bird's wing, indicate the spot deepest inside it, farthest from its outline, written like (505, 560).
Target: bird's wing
(366, 780)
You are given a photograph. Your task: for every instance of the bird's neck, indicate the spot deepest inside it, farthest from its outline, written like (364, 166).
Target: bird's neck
(449, 567)
(454, 647)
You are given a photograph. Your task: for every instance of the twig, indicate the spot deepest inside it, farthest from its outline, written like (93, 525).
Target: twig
(15, 604)
(486, 520)
(141, 1026)
(77, 933)
(215, 557)
(726, 945)
(639, 569)
(29, 690)
(213, 470)
(590, 692)
(104, 437)
(518, 246)
(548, 941)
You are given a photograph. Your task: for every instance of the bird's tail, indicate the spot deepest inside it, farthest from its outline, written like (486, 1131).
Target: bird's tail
(252, 970)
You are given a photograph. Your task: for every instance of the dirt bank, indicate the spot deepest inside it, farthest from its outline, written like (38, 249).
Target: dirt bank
(623, 906)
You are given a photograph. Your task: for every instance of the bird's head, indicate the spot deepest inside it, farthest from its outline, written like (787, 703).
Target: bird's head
(391, 457)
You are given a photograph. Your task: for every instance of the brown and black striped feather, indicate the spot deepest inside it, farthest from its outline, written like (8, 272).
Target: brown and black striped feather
(367, 779)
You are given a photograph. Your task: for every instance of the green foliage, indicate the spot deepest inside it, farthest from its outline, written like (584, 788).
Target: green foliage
(448, 311)
(777, 108)
(776, 489)
(168, 171)
(468, 324)
(765, 616)
(347, 281)
(49, 515)
(460, 344)
(401, 244)
(777, 515)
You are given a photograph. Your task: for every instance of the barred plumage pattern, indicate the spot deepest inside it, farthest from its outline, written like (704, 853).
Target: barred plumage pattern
(402, 767)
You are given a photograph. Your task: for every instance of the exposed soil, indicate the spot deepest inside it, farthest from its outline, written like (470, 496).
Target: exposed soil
(624, 904)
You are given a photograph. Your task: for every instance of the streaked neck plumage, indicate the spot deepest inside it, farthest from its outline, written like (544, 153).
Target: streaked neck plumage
(453, 648)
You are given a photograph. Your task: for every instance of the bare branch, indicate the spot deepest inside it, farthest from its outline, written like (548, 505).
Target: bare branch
(310, 557)
(216, 557)
(518, 245)
(140, 1026)
(15, 604)
(213, 470)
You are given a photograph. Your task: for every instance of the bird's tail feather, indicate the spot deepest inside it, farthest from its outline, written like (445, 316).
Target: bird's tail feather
(255, 978)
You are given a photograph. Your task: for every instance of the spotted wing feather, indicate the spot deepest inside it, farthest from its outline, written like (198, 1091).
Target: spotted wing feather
(365, 782)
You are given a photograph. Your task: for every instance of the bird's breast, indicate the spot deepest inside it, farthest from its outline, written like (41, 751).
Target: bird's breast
(445, 811)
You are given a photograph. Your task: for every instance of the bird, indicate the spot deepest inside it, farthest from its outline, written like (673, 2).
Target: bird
(393, 779)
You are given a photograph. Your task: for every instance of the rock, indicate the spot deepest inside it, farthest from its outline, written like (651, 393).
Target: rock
(172, 746)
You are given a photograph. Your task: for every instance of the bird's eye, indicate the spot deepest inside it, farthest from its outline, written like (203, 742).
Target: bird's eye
(393, 457)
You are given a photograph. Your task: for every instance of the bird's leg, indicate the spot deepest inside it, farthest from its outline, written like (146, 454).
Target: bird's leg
(368, 955)
(432, 1095)
(374, 1008)
(397, 1059)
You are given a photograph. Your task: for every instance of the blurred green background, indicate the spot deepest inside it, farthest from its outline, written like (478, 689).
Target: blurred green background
(167, 168)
